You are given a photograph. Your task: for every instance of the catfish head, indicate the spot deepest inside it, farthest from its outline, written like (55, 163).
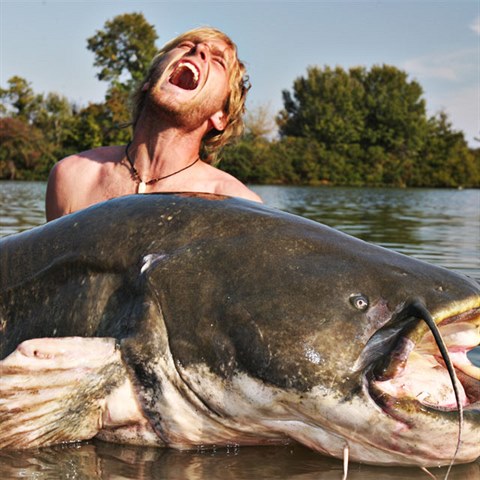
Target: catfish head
(281, 328)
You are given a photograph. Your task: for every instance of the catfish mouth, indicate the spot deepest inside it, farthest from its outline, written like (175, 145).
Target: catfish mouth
(415, 373)
(185, 75)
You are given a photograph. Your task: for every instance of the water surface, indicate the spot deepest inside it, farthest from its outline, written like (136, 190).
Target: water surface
(22, 206)
(441, 226)
(102, 461)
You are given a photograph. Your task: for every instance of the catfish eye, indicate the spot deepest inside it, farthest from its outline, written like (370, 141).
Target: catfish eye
(359, 301)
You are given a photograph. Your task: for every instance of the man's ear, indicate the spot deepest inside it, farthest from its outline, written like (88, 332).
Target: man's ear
(219, 120)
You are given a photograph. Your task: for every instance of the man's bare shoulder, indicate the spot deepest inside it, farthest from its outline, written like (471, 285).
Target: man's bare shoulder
(73, 179)
(226, 184)
(98, 155)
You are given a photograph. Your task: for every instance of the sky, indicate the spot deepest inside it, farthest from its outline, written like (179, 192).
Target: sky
(436, 42)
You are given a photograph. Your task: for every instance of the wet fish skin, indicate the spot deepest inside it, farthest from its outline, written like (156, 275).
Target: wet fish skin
(241, 317)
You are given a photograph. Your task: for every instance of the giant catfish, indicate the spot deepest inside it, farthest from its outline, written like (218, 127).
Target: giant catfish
(182, 320)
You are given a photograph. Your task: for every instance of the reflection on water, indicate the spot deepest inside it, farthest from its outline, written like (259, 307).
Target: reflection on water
(98, 460)
(439, 226)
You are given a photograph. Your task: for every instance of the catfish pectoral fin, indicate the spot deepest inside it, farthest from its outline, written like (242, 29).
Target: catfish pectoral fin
(55, 390)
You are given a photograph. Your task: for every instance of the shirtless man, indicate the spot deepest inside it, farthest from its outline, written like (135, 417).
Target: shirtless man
(189, 105)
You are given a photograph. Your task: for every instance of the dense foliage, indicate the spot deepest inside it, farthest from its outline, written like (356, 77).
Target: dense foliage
(37, 130)
(337, 127)
(357, 127)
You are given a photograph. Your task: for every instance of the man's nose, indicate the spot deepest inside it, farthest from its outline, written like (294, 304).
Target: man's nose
(203, 50)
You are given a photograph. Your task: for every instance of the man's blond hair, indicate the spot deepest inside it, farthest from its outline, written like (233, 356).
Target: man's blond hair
(234, 107)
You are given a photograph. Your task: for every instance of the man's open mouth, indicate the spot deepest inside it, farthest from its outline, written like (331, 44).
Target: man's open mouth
(415, 371)
(185, 75)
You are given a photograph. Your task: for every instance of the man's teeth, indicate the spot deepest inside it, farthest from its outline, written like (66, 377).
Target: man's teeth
(192, 68)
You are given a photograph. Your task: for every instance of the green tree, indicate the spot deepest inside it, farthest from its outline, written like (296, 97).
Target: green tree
(23, 146)
(123, 49)
(19, 100)
(105, 123)
(89, 127)
(249, 159)
(326, 105)
(56, 118)
(372, 123)
(446, 160)
(396, 117)
(37, 130)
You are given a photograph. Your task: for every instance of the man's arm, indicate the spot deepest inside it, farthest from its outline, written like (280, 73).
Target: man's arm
(56, 200)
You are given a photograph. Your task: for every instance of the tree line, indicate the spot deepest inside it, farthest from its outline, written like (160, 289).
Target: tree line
(337, 127)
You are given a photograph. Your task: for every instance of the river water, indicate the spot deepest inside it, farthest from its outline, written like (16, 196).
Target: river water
(438, 226)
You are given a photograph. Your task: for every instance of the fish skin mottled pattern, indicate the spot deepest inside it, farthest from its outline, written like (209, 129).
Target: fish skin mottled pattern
(239, 323)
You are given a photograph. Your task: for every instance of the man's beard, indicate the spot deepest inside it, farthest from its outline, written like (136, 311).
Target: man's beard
(189, 116)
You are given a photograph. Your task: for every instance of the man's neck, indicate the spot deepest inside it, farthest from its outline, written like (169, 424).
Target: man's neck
(158, 148)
